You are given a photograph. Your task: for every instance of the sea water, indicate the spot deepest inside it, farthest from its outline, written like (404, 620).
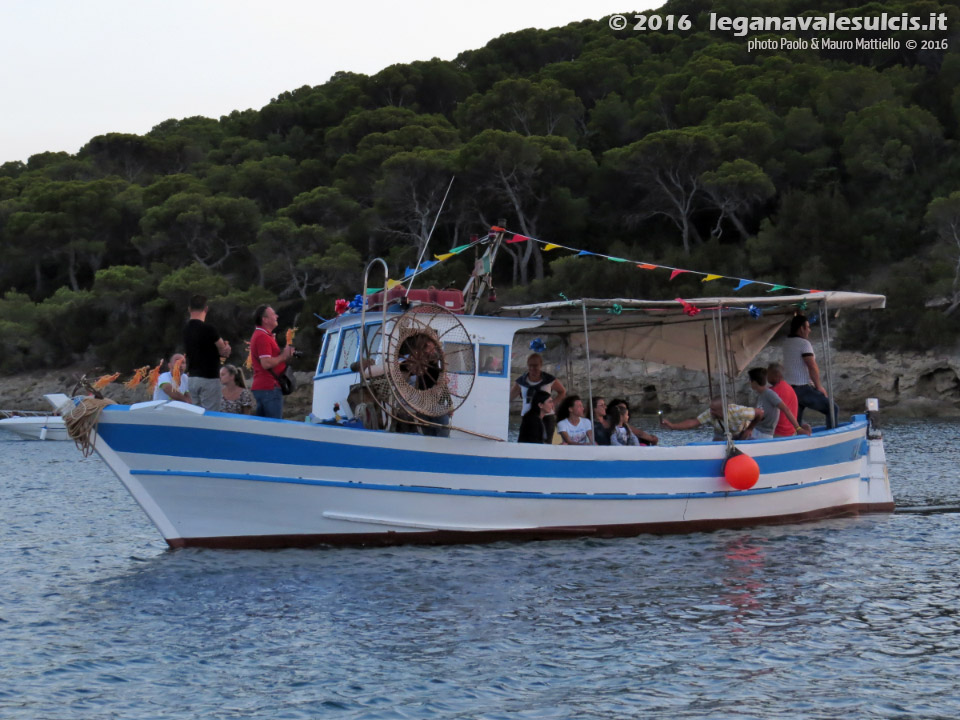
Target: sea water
(854, 618)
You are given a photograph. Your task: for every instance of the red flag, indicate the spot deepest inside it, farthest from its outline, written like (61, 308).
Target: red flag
(677, 272)
(518, 238)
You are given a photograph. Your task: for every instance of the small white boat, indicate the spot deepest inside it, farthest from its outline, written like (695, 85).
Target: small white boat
(231, 481)
(37, 425)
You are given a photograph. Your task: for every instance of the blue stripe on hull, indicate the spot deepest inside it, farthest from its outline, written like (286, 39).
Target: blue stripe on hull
(210, 444)
(512, 495)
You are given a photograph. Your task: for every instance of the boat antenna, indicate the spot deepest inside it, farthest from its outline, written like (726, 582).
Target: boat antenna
(429, 235)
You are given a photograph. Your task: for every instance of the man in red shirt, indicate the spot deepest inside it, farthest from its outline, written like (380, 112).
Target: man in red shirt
(784, 427)
(268, 361)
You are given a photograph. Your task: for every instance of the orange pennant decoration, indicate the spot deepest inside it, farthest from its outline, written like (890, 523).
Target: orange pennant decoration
(152, 378)
(176, 372)
(138, 377)
(105, 380)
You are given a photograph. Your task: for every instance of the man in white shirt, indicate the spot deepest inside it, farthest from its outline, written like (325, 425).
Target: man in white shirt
(167, 389)
(801, 371)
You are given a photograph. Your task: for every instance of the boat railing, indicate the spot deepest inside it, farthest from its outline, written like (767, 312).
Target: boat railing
(7, 414)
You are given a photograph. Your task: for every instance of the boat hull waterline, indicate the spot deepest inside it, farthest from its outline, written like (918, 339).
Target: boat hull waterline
(227, 481)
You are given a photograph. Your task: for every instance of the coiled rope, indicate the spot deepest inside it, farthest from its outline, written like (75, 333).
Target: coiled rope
(81, 421)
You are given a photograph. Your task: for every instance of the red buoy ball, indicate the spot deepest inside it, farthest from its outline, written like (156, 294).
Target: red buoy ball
(742, 472)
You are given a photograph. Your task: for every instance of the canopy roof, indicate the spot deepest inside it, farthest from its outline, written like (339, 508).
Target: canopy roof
(665, 331)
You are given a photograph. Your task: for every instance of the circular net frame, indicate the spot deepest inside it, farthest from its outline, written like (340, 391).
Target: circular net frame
(430, 360)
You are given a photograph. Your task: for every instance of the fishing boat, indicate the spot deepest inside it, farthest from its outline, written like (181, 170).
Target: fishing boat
(347, 476)
(37, 424)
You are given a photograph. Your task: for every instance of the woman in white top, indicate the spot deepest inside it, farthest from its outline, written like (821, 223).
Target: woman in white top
(574, 429)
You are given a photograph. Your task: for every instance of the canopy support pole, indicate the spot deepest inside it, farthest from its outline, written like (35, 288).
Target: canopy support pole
(586, 345)
(706, 352)
(827, 360)
(718, 338)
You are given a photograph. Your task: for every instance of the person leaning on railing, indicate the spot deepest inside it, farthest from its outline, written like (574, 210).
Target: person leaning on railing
(739, 416)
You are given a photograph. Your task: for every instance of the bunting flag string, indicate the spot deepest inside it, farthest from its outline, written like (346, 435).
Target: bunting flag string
(674, 271)
(513, 237)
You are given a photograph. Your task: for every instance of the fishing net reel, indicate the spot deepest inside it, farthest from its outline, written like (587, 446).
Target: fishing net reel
(429, 361)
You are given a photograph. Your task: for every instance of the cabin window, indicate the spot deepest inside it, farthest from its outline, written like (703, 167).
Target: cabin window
(458, 357)
(492, 360)
(348, 348)
(329, 352)
(373, 335)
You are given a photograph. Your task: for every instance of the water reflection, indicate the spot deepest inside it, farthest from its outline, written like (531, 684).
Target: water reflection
(743, 577)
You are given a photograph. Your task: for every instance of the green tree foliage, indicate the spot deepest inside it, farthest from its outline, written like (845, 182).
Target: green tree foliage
(813, 168)
(943, 217)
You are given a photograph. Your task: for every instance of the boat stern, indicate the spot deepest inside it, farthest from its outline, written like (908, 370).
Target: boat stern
(875, 493)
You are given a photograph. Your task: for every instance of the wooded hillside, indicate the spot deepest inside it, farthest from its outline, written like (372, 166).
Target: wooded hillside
(827, 169)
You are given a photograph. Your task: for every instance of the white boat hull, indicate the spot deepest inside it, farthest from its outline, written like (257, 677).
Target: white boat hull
(36, 428)
(229, 481)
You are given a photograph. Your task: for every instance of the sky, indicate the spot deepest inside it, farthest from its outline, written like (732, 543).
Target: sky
(74, 69)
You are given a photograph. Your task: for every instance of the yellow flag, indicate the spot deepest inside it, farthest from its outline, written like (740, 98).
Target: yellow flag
(443, 257)
(550, 246)
(708, 278)
(392, 284)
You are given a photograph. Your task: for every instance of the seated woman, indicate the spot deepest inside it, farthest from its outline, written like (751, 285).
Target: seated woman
(532, 427)
(620, 434)
(601, 429)
(236, 398)
(573, 427)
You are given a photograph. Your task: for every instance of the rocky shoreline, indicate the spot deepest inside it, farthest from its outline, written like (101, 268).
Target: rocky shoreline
(906, 384)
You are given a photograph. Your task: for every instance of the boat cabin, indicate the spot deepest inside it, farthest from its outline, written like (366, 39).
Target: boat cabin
(477, 361)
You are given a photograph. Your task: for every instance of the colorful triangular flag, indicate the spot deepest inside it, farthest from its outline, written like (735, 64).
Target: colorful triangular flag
(743, 284)
(710, 278)
(677, 272)
(550, 246)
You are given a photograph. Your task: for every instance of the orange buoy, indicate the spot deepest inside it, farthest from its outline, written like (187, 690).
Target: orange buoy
(741, 471)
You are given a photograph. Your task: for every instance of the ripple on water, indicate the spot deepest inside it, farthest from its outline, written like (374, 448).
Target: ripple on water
(849, 617)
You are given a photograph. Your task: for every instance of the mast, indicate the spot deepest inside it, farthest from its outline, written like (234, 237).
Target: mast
(480, 280)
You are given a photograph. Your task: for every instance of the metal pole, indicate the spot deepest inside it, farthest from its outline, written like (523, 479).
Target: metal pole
(706, 350)
(586, 345)
(363, 310)
(827, 359)
(721, 369)
(430, 235)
